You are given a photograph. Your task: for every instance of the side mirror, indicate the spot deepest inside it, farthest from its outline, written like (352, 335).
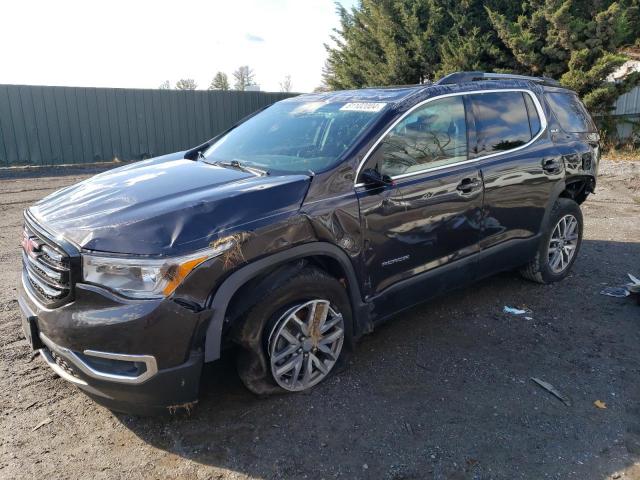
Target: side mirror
(373, 178)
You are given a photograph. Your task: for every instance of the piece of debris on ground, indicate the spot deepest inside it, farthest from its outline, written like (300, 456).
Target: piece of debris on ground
(516, 311)
(46, 421)
(617, 292)
(623, 291)
(600, 404)
(553, 391)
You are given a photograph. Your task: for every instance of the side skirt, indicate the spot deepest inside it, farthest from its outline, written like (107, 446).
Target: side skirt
(450, 277)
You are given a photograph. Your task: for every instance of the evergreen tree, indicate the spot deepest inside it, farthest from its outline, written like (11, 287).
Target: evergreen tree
(470, 41)
(579, 42)
(384, 42)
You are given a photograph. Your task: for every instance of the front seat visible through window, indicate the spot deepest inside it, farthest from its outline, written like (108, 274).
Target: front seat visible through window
(432, 136)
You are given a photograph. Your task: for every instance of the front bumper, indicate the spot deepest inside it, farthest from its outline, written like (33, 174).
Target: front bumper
(131, 356)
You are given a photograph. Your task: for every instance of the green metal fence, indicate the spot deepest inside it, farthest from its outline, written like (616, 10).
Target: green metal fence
(73, 125)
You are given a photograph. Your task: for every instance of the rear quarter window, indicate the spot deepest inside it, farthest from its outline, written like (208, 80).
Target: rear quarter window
(570, 113)
(534, 119)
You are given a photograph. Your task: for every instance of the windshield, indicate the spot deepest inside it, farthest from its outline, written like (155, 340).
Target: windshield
(295, 136)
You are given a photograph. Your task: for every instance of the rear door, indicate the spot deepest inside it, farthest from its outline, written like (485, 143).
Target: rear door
(428, 216)
(520, 167)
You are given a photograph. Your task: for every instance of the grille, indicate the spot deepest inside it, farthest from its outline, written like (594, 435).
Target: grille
(47, 268)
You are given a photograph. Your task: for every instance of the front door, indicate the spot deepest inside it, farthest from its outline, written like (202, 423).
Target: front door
(427, 218)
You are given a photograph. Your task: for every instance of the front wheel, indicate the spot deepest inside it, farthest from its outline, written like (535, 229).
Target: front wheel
(305, 344)
(559, 246)
(296, 335)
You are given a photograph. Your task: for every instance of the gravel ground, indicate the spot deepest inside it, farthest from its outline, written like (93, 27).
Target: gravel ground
(444, 391)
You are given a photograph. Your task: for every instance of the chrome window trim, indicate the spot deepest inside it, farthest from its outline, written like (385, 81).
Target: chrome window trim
(148, 360)
(536, 102)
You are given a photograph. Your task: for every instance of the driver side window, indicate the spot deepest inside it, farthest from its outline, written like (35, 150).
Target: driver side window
(431, 136)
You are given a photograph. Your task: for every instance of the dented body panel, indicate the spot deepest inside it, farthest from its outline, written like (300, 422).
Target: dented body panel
(165, 208)
(392, 246)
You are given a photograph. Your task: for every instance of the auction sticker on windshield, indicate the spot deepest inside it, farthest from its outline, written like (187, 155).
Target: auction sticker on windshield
(363, 107)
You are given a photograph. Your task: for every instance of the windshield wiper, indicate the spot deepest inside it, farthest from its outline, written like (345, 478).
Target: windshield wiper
(245, 168)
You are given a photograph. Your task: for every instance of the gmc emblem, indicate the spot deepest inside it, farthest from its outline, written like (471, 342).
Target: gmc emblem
(29, 245)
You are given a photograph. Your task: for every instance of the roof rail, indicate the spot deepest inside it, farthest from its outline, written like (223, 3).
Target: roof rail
(464, 77)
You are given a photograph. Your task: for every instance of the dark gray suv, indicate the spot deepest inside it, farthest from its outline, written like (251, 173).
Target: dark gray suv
(295, 232)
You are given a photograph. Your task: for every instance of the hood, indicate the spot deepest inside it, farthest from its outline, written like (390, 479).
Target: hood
(165, 206)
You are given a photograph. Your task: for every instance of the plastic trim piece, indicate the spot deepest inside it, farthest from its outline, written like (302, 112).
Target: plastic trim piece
(223, 294)
(148, 360)
(46, 356)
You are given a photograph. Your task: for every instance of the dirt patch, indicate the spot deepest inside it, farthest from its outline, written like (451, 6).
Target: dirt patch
(443, 391)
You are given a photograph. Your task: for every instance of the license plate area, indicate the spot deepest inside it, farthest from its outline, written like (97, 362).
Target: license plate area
(30, 327)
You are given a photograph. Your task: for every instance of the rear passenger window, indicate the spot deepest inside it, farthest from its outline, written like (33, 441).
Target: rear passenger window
(502, 121)
(571, 114)
(433, 135)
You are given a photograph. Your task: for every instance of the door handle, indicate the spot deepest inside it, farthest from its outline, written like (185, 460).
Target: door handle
(469, 185)
(551, 165)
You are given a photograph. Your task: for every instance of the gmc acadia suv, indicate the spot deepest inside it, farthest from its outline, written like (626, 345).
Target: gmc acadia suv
(298, 230)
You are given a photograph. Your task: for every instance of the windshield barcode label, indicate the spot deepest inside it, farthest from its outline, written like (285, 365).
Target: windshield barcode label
(363, 107)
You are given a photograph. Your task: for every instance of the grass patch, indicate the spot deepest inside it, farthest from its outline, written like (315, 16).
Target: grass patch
(624, 154)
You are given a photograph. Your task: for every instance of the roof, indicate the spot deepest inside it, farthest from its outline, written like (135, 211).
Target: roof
(374, 94)
(458, 81)
(466, 77)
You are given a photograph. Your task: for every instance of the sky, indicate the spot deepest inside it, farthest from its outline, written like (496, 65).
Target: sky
(141, 43)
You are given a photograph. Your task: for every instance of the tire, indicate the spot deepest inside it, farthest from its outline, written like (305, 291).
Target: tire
(263, 333)
(546, 266)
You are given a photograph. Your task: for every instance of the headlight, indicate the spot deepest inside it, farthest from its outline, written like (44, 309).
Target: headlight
(145, 277)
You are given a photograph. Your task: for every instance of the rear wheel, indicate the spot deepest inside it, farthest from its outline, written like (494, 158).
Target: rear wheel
(559, 245)
(296, 335)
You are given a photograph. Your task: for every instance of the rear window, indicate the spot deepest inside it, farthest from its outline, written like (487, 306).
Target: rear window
(502, 121)
(571, 114)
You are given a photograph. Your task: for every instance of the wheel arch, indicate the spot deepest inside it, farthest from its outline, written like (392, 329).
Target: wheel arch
(574, 188)
(269, 270)
(578, 188)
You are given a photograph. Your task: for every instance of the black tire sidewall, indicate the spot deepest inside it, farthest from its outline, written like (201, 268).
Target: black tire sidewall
(253, 335)
(562, 207)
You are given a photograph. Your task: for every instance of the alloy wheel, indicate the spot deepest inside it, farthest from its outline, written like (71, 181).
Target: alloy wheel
(563, 243)
(305, 344)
